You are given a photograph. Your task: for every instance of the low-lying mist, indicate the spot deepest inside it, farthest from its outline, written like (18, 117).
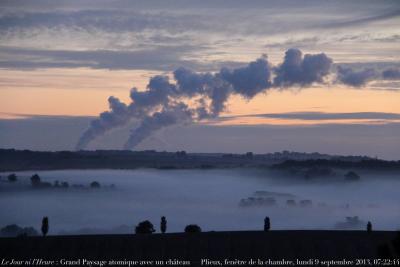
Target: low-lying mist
(209, 198)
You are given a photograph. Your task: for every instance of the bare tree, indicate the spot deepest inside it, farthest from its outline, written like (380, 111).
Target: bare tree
(12, 178)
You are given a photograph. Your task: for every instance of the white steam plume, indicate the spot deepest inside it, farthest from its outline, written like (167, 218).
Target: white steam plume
(165, 103)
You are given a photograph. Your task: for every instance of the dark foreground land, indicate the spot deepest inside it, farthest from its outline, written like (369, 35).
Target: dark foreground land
(190, 249)
(20, 160)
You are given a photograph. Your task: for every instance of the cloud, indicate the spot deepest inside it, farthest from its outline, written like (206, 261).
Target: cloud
(308, 115)
(391, 74)
(249, 80)
(357, 74)
(190, 82)
(295, 42)
(369, 37)
(118, 115)
(299, 70)
(110, 20)
(149, 124)
(197, 96)
(120, 32)
(364, 20)
(177, 17)
(163, 104)
(354, 78)
(155, 58)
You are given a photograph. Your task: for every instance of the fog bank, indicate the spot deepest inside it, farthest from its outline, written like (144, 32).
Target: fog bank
(209, 198)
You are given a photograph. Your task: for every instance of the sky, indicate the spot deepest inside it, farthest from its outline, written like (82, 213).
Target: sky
(226, 76)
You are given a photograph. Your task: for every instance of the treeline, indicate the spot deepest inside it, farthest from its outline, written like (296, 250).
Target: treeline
(15, 160)
(143, 227)
(37, 183)
(368, 164)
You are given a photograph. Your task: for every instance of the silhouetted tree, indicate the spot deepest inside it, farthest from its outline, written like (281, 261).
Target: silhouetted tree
(12, 178)
(369, 227)
(64, 185)
(14, 230)
(10, 230)
(352, 176)
(145, 227)
(290, 202)
(192, 228)
(45, 226)
(249, 155)
(35, 180)
(181, 153)
(305, 203)
(95, 184)
(22, 235)
(56, 184)
(267, 224)
(163, 225)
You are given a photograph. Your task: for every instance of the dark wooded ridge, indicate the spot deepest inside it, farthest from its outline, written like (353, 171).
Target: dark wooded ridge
(15, 160)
